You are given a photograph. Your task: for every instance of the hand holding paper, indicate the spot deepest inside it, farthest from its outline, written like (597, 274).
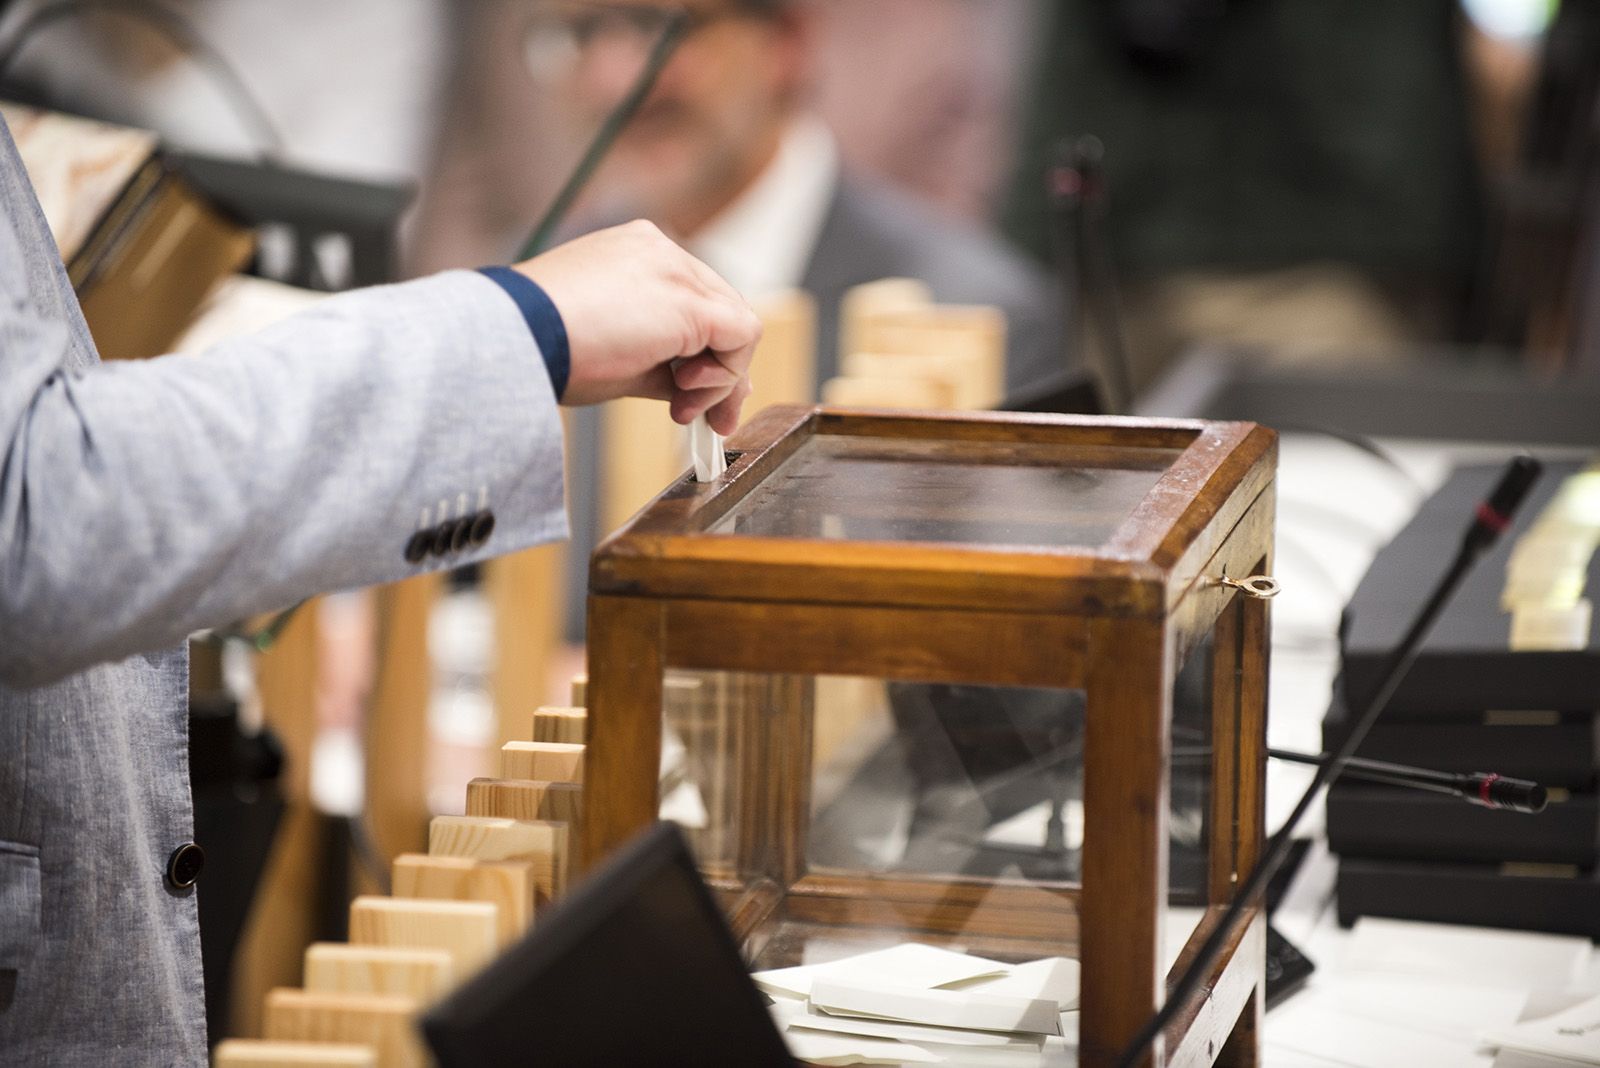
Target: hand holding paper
(682, 334)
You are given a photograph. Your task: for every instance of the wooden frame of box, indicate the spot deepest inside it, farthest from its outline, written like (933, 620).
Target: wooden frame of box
(1115, 620)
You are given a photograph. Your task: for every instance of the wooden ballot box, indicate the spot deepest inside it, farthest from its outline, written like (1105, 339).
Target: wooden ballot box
(965, 679)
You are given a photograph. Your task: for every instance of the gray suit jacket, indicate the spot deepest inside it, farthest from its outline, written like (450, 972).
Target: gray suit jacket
(874, 232)
(140, 502)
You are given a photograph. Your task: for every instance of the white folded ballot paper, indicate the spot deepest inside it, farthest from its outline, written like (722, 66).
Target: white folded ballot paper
(944, 1008)
(909, 964)
(816, 1048)
(1051, 979)
(1573, 1034)
(798, 1016)
(705, 445)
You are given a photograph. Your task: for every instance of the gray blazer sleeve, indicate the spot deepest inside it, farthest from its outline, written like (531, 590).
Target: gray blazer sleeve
(142, 501)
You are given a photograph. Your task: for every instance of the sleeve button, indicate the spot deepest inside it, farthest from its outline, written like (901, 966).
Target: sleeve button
(419, 546)
(461, 534)
(482, 528)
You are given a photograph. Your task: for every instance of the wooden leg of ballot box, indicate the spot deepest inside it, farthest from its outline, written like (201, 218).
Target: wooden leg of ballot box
(542, 845)
(387, 1024)
(1239, 747)
(624, 723)
(468, 930)
(336, 968)
(506, 884)
(1129, 715)
(249, 1053)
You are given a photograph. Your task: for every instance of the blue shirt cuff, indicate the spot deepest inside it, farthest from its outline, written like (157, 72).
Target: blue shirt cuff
(549, 331)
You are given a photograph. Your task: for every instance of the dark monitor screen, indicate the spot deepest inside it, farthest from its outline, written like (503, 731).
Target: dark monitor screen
(637, 966)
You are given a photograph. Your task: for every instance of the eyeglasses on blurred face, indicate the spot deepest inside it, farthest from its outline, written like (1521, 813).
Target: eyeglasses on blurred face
(561, 32)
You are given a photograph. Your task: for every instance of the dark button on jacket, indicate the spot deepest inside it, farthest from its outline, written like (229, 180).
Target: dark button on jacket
(419, 546)
(482, 527)
(184, 866)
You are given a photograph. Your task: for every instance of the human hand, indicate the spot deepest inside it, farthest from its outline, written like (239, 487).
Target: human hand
(646, 319)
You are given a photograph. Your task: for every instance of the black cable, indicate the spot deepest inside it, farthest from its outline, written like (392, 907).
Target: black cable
(258, 640)
(179, 31)
(1492, 518)
(1360, 443)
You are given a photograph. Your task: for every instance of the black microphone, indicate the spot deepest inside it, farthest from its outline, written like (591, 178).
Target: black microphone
(1076, 188)
(1494, 514)
(1492, 518)
(1487, 789)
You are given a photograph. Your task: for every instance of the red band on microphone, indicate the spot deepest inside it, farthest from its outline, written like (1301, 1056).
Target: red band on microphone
(1493, 519)
(1483, 789)
(1066, 182)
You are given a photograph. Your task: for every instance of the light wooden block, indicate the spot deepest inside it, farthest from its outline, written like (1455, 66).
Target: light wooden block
(580, 690)
(972, 337)
(506, 884)
(881, 391)
(960, 379)
(543, 845)
(564, 725)
(873, 299)
(543, 761)
(253, 1053)
(468, 930)
(338, 968)
(524, 799)
(385, 1023)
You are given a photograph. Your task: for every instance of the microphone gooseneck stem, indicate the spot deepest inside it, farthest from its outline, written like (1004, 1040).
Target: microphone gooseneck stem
(1492, 518)
(1488, 789)
(677, 28)
(1376, 771)
(1077, 197)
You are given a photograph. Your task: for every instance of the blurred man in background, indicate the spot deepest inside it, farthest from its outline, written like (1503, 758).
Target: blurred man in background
(727, 154)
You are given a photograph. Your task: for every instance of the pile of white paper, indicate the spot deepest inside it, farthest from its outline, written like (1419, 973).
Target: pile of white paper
(1572, 1034)
(916, 1004)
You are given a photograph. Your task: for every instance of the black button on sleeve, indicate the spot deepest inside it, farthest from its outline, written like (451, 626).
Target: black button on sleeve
(443, 535)
(461, 536)
(419, 546)
(184, 866)
(482, 528)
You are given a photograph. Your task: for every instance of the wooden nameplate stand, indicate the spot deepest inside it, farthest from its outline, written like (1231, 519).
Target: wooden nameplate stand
(477, 889)
(898, 349)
